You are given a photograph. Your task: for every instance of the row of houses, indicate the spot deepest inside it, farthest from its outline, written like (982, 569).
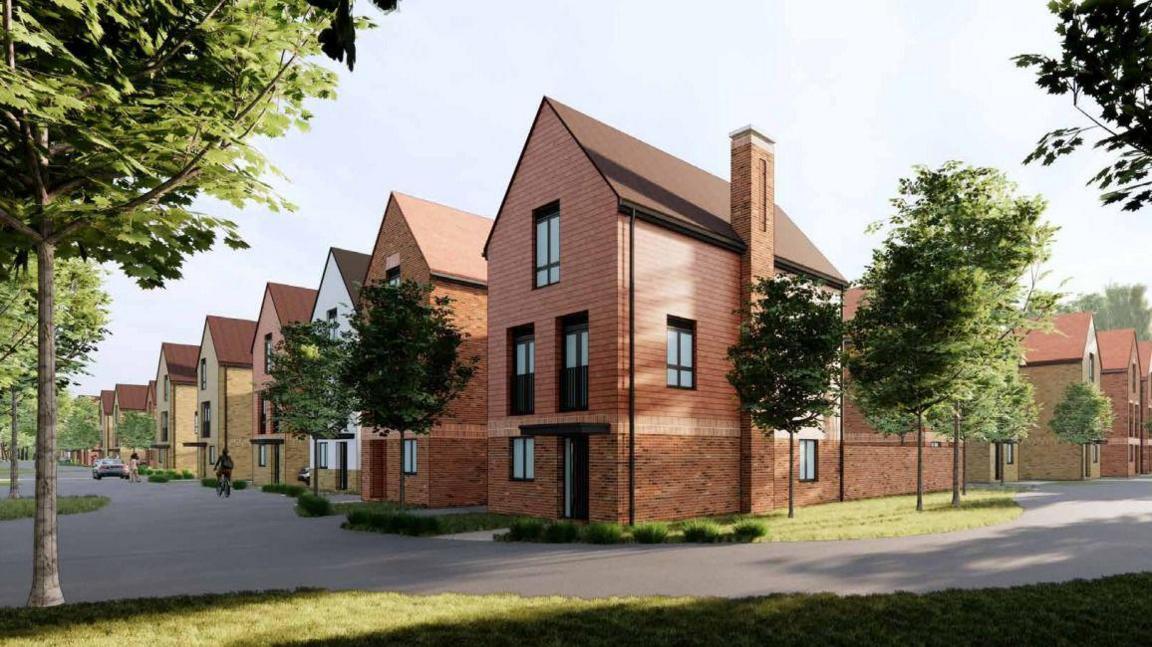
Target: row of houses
(602, 300)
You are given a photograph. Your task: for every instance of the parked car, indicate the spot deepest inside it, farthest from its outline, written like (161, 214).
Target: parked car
(109, 467)
(305, 475)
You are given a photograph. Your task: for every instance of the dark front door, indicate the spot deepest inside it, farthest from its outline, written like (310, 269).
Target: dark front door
(275, 463)
(342, 462)
(999, 461)
(575, 477)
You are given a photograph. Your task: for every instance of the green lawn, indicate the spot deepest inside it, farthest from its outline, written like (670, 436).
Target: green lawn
(26, 507)
(1046, 614)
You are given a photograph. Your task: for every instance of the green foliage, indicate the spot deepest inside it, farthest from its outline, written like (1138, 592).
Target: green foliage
(283, 488)
(1118, 306)
(211, 482)
(526, 529)
(136, 430)
(702, 531)
(1083, 415)
(404, 366)
(603, 533)
(158, 478)
(306, 391)
(26, 508)
(311, 505)
(749, 530)
(786, 364)
(560, 532)
(998, 405)
(187, 475)
(1105, 64)
(240, 485)
(650, 533)
(376, 519)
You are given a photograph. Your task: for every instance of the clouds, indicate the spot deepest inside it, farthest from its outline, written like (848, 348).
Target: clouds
(854, 93)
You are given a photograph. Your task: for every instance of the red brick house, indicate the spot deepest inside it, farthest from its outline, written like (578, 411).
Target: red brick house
(441, 246)
(1144, 348)
(276, 456)
(602, 239)
(1120, 381)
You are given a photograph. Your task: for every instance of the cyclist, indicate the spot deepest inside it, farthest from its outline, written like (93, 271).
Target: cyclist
(224, 473)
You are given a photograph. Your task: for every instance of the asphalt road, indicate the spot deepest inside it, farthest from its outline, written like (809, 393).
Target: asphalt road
(176, 538)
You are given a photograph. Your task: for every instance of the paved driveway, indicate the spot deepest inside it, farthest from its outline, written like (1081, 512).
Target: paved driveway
(166, 539)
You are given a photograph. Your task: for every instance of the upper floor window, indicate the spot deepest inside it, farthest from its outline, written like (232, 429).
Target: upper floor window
(165, 388)
(392, 276)
(574, 364)
(330, 316)
(681, 372)
(1091, 367)
(547, 245)
(163, 426)
(203, 373)
(523, 371)
(263, 415)
(267, 351)
(809, 460)
(206, 419)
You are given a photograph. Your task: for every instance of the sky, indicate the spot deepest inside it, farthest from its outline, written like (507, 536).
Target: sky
(854, 93)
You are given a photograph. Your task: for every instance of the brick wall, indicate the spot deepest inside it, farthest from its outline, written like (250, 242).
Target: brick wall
(181, 426)
(1043, 455)
(470, 314)
(238, 420)
(884, 470)
(1117, 457)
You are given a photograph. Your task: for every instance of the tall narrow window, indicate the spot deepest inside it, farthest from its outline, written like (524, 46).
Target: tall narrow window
(203, 373)
(263, 415)
(163, 426)
(809, 460)
(574, 364)
(212, 454)
(681, 353)
(206, 419)
(392, 276)
(523, 463)
(322, 455)
(267, 351)
(262, 455)
(1009, 453)
(409, 452)
(165, 388)
(333, 328)
(547, 245)
(1091, 367)
(523, 371)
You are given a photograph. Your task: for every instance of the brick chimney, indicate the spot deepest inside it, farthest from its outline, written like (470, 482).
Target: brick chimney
(753, 214)
(753, 202)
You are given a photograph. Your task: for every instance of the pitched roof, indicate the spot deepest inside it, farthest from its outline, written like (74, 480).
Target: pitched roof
(452, 241)
(151, 401)
(353, 268)
(852, 299)
(1144, 349)
(1065, 343)
(1115, 348)
(293, 304)
(658, 181)
(232, 339)
(107, 400)
(181, 360)
(132, 397)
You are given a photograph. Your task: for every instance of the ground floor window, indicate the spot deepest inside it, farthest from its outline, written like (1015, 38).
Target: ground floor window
(322, 455)
(1009, 453)
(1095, 453)
(523, 458)
(409, 455)
(809, 453)
(262, 456)
(212, 454)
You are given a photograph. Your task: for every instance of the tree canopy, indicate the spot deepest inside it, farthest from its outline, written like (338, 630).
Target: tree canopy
(1083, 415)
(80, 428)
(307, 394)
(135, 430)
(1118, 306)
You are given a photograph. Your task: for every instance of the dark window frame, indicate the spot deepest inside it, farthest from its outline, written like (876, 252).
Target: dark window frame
(815, 463)
(263, 414)
(262, 455)
(1009, 453)
(206, 419)
(163, 426)
(267, 351)
(322, 455)
(522, 386)
(392, 276)
(574, 398)
(405, 452)
(528, 472)
(166, 384)
(545, 214)
(682, 327)
(203, 373)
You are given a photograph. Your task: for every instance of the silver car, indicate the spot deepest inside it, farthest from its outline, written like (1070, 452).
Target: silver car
(113, 467)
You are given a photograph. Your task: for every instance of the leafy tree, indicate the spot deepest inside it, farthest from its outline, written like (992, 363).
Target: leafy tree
(136, 430)
(1083, 415)
(1118, 306)
(308, 396)
(1105, 63)
(945, 291)
(405, 366)
(786, 364)
(81, 424)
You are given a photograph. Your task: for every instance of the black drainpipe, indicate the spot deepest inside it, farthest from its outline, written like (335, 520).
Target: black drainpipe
(631, 366)
(843, 443)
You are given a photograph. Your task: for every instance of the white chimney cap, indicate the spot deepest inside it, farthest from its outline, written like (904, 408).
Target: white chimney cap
(751, 134)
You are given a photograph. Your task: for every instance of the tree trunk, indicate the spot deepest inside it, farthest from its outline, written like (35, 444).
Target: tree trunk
(14, 467)
(401, 470)
(956, 457)
(791, 476)
(46, 590)
(920, 461)
(964, 469)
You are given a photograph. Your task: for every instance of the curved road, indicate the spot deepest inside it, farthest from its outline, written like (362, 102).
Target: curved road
(176, 538)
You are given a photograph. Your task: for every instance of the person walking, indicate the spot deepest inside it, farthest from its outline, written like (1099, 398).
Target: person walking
(134, 467)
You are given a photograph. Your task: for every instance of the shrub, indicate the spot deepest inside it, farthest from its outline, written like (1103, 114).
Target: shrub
(171, 474)
(400, 523)
(310, 505)
(526, 529)
(157, 478)
(187, 475)
(561, 532)
(144, 470)
(603, 533)
(283, 488)
(701, 531)
(210, 482)
(749, 530)
(650, 533)
(239, 485)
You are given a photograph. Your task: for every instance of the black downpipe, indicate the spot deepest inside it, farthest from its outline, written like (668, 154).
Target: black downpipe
(842, 437)
(632, 367)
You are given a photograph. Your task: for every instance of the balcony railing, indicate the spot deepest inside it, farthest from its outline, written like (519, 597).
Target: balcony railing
(523, 393)
(574, 388)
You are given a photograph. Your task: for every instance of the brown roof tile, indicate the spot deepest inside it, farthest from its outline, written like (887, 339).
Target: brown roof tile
(107, 401)
(1144, 349)
(1115, 348)
(653, 179)
(181, 360)
(451, 240)
(1065, 343)
(293, 304)
(132, 397)
(232, 339)
(353, 268)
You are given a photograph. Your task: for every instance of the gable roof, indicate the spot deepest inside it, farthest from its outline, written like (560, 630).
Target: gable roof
(451, 240)
(293, 304)
(1065, 343)
(181, 360)
(653, 180)
(151, 400)
(353, 267)
(1144, 350)
(132, 397)
(1115, 348)
(232, 339)
(107, 401)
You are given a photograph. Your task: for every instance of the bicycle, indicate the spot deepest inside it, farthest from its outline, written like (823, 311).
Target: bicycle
(224, 486)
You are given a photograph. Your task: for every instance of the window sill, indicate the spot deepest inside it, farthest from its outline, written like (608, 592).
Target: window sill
(516, 480)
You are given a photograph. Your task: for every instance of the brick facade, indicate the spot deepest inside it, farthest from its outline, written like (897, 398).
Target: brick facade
(1044, 456)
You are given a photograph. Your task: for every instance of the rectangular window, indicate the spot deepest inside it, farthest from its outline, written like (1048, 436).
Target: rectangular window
(274, 415)
(523, 371)
(333, 328)
(392, 276)
(409, 455)
(165, 388)
(1010, 453)
(1091, 367)
(262, 455)
(1095, 453)
(267, 351)
(322, 455)
(547, 245)
(263, 415)
(163, 426)
(212, 454)
(809, 455)
(681, 354)
(574, 364)
(523, 461)
(203, 373)
(206, 419)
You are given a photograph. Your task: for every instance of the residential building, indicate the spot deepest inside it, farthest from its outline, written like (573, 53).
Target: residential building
(223, 417)
(1052, 360)
(1145, 350)
(1120, 381)
(108, 443)
(276, 455)
(128, 397)
(437, 245)
(616, 272)
(336, 299)
(176, 406)
(150, 408)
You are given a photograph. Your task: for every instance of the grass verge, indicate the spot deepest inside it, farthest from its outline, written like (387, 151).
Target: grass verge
(26, 507)
(1051, 614)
